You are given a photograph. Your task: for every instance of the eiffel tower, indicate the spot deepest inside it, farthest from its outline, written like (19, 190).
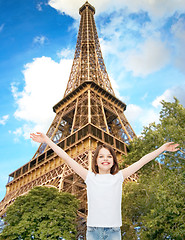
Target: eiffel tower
(88, 115)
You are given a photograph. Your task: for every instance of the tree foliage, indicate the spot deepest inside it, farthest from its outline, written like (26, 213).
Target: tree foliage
(155, 203)
(43, 213)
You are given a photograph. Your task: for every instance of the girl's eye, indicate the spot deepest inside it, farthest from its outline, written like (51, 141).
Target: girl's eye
(110, 156)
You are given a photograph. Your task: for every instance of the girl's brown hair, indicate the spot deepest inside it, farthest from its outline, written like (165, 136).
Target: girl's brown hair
(114, 169)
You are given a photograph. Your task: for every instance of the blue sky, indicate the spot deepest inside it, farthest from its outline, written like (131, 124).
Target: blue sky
(143, 48)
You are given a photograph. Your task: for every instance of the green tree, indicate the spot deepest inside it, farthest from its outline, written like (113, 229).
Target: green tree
(44, 213)
(165, 218)
(155, 203)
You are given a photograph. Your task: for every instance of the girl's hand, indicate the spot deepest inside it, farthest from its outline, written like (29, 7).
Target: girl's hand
(38, 137)
(170, 147)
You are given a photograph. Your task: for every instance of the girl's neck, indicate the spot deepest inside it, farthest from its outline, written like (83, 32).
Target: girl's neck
(104, 172)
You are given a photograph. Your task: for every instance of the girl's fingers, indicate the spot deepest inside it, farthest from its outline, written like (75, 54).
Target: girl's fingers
(33, 136)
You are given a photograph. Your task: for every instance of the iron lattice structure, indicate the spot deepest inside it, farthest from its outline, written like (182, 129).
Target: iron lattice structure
(88, 115)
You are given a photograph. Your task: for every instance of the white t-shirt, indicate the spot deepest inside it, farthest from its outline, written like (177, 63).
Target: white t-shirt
(104, 195)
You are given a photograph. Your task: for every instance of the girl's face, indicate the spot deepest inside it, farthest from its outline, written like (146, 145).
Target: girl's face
(104, 161)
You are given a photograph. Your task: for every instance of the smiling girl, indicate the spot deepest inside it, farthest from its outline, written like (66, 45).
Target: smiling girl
(104, 186)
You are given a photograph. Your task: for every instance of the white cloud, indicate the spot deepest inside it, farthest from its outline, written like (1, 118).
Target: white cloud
(66, 7)
(66, 53)
(40, 40)
(144, 116)
(45, 81)
(178, 30)
(144, 96)
(156, 9)
(151, 56)
(149, 116)
(116, 89)
(139, 117)
(133, 112)
(122, 33)
(138, 47)
(39, 6)
(1, 27)
(17, 133)
(169, 94)
(4, 119)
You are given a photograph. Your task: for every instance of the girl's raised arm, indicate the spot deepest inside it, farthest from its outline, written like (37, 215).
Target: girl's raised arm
(170, 146)
(42, 138)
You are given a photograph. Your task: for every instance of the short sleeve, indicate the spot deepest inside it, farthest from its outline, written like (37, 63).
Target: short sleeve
(121, 176)
(89, 176)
